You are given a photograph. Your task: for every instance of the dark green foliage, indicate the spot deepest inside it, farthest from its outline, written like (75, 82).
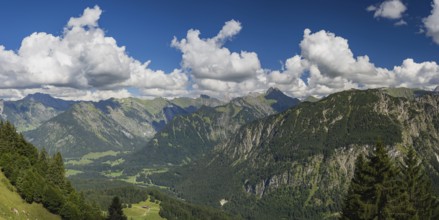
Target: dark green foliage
(39, 178)
(377, 191)
(52, 198)
(418, 187)
(357, 204)
(31, 184)
(55, 172)
(115, 211)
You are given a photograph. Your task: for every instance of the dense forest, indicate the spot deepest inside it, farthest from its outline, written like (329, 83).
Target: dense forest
(40, 177)
(384, 189)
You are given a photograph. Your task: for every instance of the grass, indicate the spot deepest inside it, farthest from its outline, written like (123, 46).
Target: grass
(97, 155)
(113, 163)
(88, 158)
(10, 200)
(136, 212)
(82, 161)
(149, 171)
(70, 172)
(112, 174)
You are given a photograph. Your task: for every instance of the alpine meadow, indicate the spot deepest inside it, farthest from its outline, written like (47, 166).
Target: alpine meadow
(219, 110)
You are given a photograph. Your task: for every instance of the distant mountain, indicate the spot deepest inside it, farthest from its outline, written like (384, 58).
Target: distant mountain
(190, 136)
(298, 164)
(49, 101)
(113, 124)
(30, 112)
(282, 101)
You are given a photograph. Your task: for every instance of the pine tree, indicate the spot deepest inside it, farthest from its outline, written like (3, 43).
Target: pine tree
(115, 211)
(418, 187)
(358, 204)
(55, 171)
(375, 191)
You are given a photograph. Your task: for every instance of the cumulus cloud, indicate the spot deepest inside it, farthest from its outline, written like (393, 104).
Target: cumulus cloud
(327, 65)
(431, 23)
(83, 63)
(390, 9)
(82, 58)
(89, 18)
(209, 59)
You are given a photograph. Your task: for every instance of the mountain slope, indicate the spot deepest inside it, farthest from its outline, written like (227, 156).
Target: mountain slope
(114, 124)
(12, 206)
(33, 110)
(188, 137)
(298, 164)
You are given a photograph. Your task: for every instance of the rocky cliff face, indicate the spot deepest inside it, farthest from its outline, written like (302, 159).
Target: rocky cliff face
(306, 155)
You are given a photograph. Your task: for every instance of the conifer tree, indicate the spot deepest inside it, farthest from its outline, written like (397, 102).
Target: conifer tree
(418, 187)
(358, 204)
(115, 211)
(375, 191)
(56, 172)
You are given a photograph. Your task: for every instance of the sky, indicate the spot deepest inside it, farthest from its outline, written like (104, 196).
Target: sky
(93, 50)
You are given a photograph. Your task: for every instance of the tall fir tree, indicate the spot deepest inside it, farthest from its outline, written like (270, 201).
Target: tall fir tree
(115, 211)
(418, 187)
(358, 203)
(55, 171)
(375, 191)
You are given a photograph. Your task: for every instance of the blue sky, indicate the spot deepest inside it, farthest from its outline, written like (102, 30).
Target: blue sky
(270, 30)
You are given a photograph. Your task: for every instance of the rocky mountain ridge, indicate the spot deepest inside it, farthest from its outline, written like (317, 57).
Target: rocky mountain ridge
(304, 157)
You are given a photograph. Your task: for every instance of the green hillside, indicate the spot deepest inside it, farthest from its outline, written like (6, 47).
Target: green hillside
(40, 178)
(12, 206)
(298, 164)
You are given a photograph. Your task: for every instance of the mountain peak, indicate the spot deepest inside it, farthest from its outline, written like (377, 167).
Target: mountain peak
(273, 90)
(38, 96)
(283, 101)
(436, 89)
(48, 100)
(203, 96)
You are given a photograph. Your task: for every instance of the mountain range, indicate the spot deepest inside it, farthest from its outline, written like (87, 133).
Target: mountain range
(298, 164)
(76, 128)
(264, 155)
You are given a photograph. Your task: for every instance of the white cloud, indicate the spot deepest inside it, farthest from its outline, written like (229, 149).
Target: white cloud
(331, 67)
(417, 75)
(84, 63)
(431, 23)
(390, 9)
(81, 58)
(89, 18)
(401, 23)
(208, 59)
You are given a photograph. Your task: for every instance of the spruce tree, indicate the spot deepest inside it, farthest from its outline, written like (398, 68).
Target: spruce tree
(115, 211)
(418, 187)
(358, 203)
(376, 191)
(390, 198)
(56, 172)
